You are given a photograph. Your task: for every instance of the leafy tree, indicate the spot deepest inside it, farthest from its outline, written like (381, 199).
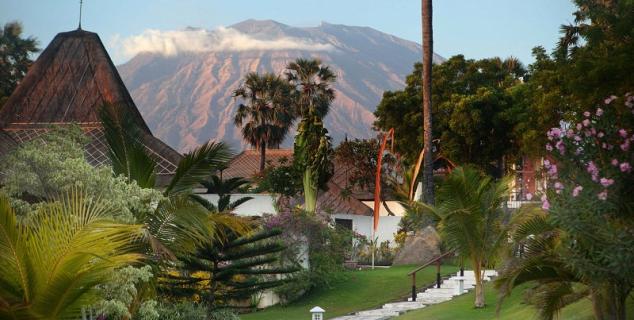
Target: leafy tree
(473, 111)
(15, 59)
(222, 273)
(312, 152)
(50, 267)
(470, 214)
(124, 295)
(266, 117)
(359, 157)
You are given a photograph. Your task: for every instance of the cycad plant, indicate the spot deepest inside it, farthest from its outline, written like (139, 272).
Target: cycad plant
(49, 268)
(266, 115)
(469, 210)
(312, 153)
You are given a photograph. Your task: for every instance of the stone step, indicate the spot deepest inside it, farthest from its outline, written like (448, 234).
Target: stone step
(379, 312)
(404, 305)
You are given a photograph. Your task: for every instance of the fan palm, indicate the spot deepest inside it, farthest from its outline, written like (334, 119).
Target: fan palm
(469, 211)
(312, 152)
(49, 268)
(265, 117)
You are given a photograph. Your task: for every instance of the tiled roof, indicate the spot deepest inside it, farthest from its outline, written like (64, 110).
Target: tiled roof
(70, 82)
(247, 164)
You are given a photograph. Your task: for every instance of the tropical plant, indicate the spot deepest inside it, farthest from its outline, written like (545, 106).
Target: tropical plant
(428, 52)
(312, 152)
(50, 267)
(224, 189)
(222, 273)
(15, 58)
(470, 216)
(267, 116)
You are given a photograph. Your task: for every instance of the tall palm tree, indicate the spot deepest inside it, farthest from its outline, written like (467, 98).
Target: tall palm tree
(469, 211)
(49, 267)
(266, 117)
(428, 52)
(313, 153)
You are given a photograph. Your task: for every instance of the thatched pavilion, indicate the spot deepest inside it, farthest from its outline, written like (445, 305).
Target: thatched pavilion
(69, 83)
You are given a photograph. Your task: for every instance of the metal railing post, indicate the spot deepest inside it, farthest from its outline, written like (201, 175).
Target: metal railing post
(438, 274)
(414, 287)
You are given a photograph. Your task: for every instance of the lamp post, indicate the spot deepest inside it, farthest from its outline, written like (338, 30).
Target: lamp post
(317, 313)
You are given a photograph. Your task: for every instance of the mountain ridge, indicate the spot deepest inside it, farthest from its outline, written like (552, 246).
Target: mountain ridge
(186, 98)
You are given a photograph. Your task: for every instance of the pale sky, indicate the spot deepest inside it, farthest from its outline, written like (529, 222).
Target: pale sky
(475, 28)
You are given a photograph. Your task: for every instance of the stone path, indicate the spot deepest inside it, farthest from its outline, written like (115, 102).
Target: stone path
(449, 288)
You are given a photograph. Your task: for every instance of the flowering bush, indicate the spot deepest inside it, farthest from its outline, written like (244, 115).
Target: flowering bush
(591, 196)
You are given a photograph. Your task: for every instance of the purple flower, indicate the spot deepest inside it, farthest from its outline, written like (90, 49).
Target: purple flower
(600, 134)
(554, 133)
(549, 147)
(606, 182)
(625, 167)
(586, 114)
(599, 112)
(603, 195)
(577, 138)
(558, 187)
(623, 133)
(529, 196)
(615, 162)
(553, 170)
(625, 146)
(547, 164)
(578, 151)
(576, 190)
(546, 205)
(560, 146)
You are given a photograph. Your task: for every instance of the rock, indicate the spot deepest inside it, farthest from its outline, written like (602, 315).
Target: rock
(419, 248)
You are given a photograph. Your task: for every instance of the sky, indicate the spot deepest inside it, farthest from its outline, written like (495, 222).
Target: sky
(476, 28)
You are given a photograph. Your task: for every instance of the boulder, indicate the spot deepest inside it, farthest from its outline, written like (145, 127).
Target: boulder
(419, 248)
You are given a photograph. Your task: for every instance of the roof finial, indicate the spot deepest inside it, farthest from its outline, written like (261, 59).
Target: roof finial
(81, 3)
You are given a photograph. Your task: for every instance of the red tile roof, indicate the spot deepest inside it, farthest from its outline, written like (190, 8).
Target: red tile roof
(247, 164)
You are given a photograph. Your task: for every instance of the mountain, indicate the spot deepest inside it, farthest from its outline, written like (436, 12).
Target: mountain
(183, 81)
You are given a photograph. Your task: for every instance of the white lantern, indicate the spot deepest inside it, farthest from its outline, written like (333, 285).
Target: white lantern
(317, 313)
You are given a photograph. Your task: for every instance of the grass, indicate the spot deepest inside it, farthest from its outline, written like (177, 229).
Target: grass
(513, 308)
(359, 291)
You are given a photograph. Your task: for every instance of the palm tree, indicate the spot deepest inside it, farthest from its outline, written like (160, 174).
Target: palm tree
(537, 255)
(428, 51)
(49, 267)
(266, 117)
(179, 222)
(313, 151)
(469, 211)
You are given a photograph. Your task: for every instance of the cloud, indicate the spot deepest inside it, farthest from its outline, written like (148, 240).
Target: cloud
(171, 43)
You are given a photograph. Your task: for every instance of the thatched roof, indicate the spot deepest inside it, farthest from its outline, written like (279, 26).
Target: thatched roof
(70, 82)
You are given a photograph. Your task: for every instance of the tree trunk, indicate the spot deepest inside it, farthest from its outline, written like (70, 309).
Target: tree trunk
(479, 288)
(609, 302)
(428, 48)
(262, 155)
(310, 192)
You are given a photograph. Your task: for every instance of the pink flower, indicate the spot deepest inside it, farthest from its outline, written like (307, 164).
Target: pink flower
(609, 99)
(546, 205)
(625, 167)
(592, 168)
(558, 187)
(606, 182)
(570, 133)
(576, 190)
(549, 147)
(599, 112)
(586, 114)
(585, 122)
(578, 151)
(554, 133)
(623, 133)
(615, 162)
(577, 138)
(529, 196)
(600, 134)
(579, 126)
(625, 146)
(603, 195)
(546, 163)
(560, 146)
(553, 170)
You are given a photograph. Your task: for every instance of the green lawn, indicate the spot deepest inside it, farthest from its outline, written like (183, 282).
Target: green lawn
(361, 290)
(512, 309)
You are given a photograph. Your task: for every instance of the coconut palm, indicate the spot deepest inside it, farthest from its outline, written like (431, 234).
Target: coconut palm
(265, 117)
(313, 151)
(470, 211)
(49, 267)
(428, 51)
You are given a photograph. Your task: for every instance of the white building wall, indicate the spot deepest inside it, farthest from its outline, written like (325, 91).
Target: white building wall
(388, 226)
